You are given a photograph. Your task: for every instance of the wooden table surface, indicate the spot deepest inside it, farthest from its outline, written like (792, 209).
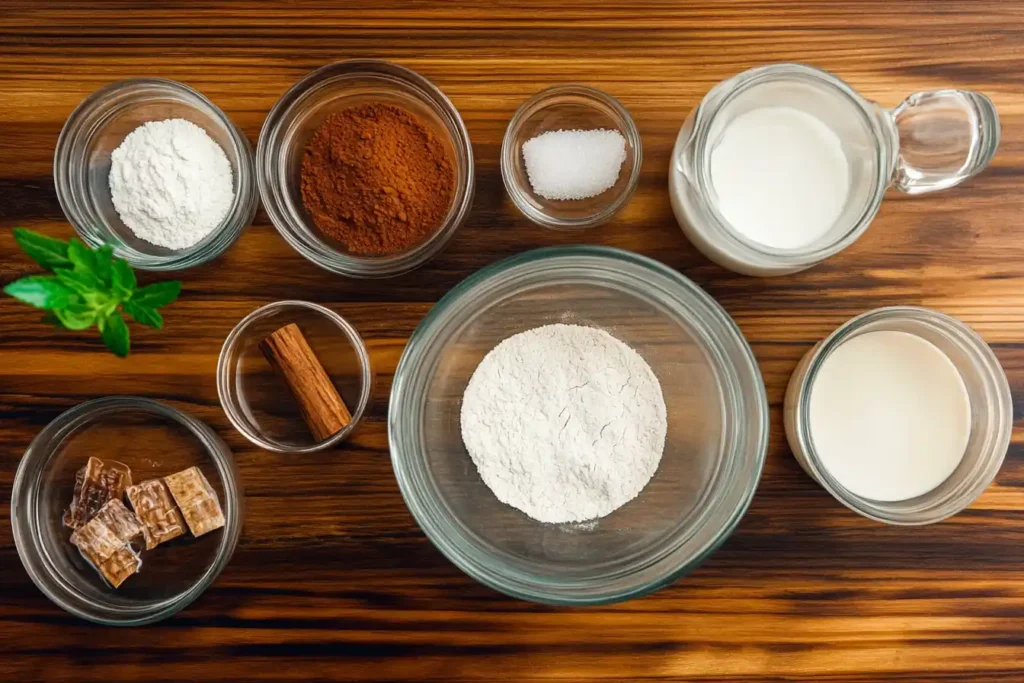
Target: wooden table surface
(333, 580)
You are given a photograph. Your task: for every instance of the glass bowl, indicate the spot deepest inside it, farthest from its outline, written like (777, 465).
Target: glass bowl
(81, 168)
(258, 402)
(154, 440)
(569, 107)
(988, 393)
(294, 119)
(714, 451)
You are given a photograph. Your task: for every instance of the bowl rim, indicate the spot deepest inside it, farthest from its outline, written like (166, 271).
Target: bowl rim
(225, 372)
(528, 108)
(354, 266)
(239, 216)
(30, 551)
(424, 333)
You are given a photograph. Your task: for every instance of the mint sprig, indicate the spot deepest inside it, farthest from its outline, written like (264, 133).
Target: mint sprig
(89, 287)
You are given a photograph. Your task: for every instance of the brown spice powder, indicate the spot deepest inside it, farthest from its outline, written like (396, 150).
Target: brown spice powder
(376, 179)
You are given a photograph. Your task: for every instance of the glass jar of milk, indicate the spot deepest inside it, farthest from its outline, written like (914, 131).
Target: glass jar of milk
(903, 414)
(784, 165)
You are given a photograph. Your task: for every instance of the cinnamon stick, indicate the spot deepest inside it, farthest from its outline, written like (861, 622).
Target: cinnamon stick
(319, 402)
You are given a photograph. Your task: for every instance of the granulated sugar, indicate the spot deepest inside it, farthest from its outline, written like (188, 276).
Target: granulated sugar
(574, 164)
(564, 422)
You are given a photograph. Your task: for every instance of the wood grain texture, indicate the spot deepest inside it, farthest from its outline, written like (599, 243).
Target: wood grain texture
(333, 579)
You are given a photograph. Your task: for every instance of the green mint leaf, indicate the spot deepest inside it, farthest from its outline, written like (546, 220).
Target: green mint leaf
(48, 252)
(123, 279)
(158, 294)
(104, 261)
(76, 316)
(115, 334)
(50, 318)
(81, 256)
(41, 291)
(79, 281)
(150, 317)
(100, 301)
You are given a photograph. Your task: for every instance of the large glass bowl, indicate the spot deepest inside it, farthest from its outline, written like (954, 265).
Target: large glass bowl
(714, 452)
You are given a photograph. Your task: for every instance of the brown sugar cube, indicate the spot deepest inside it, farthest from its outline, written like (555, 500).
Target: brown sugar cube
(196, 499)
(105, 542)
(321, 406)
(119, 566)
(96, 484)
(155, 508)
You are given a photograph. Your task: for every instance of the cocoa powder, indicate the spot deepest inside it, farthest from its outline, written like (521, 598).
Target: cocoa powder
(376, 179)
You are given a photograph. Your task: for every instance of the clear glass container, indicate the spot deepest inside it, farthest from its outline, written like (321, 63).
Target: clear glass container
(714, 451)
(154, 440)
(932, 141)
(81, 168)
(258, 402)
(988, 393)
(295, 118)
(569, 107)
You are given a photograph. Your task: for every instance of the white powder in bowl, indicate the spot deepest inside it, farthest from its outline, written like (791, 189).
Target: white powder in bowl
(574, 164)
(171, 183)
(564, 422)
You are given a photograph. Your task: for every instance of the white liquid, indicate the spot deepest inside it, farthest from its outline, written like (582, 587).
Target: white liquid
(781, 176)
(889, 415)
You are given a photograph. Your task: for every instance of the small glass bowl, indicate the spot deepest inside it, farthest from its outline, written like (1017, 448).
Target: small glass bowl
(988, 393)
(258, 402)
(295, 118)
(154, 440)
(81, 168)
(569, 107)
(714, 450)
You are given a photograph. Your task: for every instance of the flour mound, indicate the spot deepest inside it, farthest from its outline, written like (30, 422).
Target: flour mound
(564, 422)
(171, 183)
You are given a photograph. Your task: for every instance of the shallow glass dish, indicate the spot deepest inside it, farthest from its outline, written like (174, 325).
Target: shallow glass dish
(294, 119)
(81, 167)
(258, 402)
(569, 107)
(714, 451)
(154, 440)
(988, 393)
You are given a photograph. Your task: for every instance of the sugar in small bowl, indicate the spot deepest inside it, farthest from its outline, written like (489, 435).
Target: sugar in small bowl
(155, 169)
(571, 157)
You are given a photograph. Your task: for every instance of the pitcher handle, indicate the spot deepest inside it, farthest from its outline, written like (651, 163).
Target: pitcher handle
(945, 137)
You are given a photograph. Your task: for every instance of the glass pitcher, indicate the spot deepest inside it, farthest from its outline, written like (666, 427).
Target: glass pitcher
(931, 141)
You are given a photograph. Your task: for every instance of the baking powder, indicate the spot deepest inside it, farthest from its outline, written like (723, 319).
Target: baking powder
(170, 183)
(564, 422)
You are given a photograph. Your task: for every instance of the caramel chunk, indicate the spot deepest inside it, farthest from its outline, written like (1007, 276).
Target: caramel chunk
(197, 500)
(155, 508)
(95, 484)
(105, 542)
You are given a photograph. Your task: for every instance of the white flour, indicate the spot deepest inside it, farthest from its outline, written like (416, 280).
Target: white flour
(170, 183)
(564, 422)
